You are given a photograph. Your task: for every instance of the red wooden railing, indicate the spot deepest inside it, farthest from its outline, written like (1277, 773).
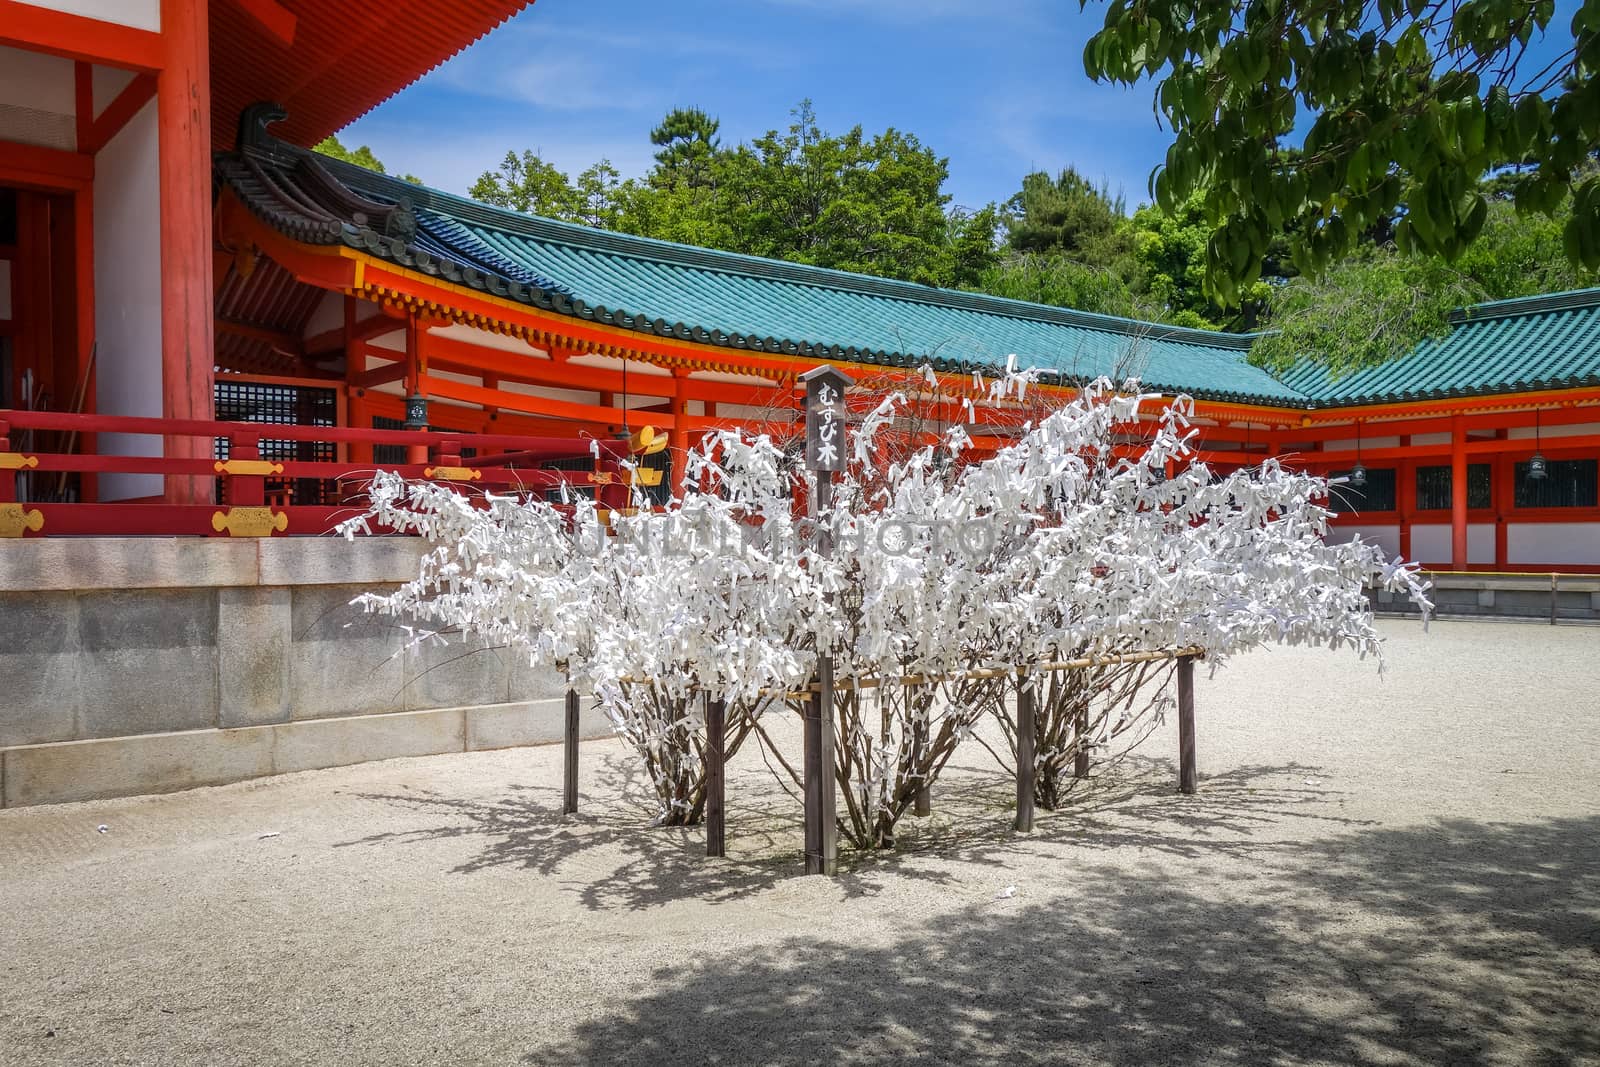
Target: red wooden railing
(254, 497)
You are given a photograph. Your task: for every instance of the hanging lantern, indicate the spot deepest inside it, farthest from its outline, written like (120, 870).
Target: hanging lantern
(1537, 467)
(1358, 473)
(416, 413)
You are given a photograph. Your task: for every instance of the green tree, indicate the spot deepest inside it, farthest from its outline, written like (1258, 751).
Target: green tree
(361, 157)
(1068, 214)
(1379, 303)
(874, 205)
(1403, 104)
(1042, 278)
(687, 139)
(529, 184)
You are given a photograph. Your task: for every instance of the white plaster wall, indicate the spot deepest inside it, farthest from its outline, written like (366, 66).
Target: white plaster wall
(1430, 543)
(328, 314)
(38, 100)
(127, 282)
(488, 339)
(140, 14)
(576, 396)
(1553, 542)
(1349, 444)
(1430, 439)
(1526, 433)
(1386, 536)
(107, 82)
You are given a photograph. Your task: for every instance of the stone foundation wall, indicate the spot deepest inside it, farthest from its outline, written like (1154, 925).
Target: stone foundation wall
(132, 665)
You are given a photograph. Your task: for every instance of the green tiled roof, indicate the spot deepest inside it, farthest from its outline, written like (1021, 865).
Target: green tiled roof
(1508, 346)
(744, 302)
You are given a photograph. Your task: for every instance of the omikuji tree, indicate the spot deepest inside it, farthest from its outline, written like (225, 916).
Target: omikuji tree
(1094, 530)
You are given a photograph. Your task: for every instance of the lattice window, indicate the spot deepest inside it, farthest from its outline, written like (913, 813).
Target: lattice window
(1434, 486)
(282, 405)
(1568, 483)
(1377, 495)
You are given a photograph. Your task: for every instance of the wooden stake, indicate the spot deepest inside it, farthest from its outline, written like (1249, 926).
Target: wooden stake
(923, 805)
(1080, 758)
(716, 777)
(569, 791)
(1188, 773)
(1025, 755)
(822, 840)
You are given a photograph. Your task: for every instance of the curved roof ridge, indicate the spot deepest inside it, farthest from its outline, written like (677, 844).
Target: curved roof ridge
(1526, 305)
(738, 263)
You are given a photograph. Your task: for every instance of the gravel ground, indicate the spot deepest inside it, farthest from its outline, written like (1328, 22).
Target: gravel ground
(1402, 869)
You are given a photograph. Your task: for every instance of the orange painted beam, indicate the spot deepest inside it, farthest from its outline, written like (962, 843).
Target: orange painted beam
(538, 405)
(83, 102)
(361, 330)
(49, 169)
(128, 103)
(183, 103)
(537, 371)
(1561, 410)
(1375, 413)
(39, 29)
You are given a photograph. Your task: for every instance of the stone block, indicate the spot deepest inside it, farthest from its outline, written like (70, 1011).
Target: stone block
(253, 642)
(309, 745)
(147, 661)
(127, 766)
(1486, 598)
(451, 672)
(336, 561)
(90, 563)
(534, 683)
(40, 698)
(536, 722)
(343, 660)
(1594, 601)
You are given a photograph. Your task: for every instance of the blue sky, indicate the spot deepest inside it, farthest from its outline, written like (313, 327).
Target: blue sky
(995, 85)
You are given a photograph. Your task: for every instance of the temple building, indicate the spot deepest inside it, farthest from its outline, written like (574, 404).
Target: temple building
(208, 332)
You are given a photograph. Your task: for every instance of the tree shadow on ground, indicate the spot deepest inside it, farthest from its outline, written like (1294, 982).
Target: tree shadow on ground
(614, 860)
(1459, 942)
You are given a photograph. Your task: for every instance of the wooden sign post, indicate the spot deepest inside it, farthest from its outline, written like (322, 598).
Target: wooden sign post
(825, 454)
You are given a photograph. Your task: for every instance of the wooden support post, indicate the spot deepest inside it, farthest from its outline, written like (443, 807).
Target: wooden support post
(1025, 753)
(8, 479)
(416, 367)
(245, 490)
(183, 111)
(716, 777)
(569, 777)
(825, 421)
(1188, 772)
(923, 805)
(1080, 758)
(822, 843)
(1458, 494)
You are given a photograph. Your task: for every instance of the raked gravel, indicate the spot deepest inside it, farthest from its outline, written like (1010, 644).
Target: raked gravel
(1402, 869)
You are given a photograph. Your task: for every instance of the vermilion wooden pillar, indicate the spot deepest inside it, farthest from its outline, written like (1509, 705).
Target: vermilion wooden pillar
(680, 435)
(1458, 494)
(416, 367)
(183, 109)
(1406, 498)
(83, 268)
